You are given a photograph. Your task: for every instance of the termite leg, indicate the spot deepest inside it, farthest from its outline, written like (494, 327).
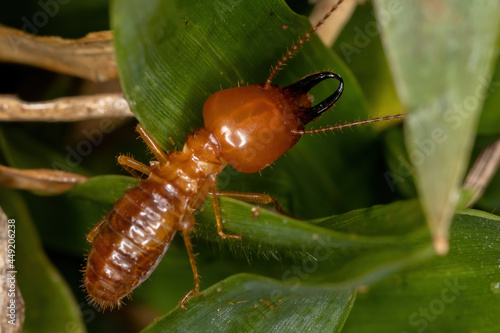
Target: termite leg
(131, 165)
(95, 231)
(192, 261)
(152, 144)
(253, 197)
(218, 217)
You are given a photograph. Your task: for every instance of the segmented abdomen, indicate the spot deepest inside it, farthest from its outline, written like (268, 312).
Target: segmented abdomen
(132, 240)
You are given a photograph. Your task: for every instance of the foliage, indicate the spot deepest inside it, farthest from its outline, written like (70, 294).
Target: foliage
(355, 254)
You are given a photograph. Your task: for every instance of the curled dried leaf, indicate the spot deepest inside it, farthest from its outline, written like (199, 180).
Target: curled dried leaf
(45, 180)
(90, 57)
(64, 109)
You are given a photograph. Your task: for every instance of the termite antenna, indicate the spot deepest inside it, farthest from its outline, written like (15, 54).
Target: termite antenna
(294, 49)
(339, 127)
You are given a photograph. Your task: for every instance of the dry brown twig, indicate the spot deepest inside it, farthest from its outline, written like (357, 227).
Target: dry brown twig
(47, 181)
(91, 57)
(44, 180)
(64, 109)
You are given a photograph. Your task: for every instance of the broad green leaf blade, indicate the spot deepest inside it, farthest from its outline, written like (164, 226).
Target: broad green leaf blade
(457, 293)
(50, 305)
(343, 251)
(250, 303)
(103, 189)
(173, 55)
(360, 232)
(441, 55)
(350, 249)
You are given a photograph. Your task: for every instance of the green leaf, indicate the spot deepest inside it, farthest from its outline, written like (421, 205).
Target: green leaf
(346, 248)
(172, 55)
(456, 293)
(249, 303)
(443, 85)
(50, 305)
(343, 251)
(400, 233)
(103, 189)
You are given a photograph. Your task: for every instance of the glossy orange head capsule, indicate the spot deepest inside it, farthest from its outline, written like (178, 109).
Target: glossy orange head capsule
(255, 124)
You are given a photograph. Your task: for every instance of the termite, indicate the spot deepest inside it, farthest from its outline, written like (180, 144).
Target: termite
(130, 241)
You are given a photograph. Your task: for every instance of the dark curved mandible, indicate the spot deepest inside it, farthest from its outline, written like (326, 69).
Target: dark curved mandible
(309, 82)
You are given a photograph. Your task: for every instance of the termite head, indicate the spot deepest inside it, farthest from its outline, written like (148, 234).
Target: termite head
(256, 124)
